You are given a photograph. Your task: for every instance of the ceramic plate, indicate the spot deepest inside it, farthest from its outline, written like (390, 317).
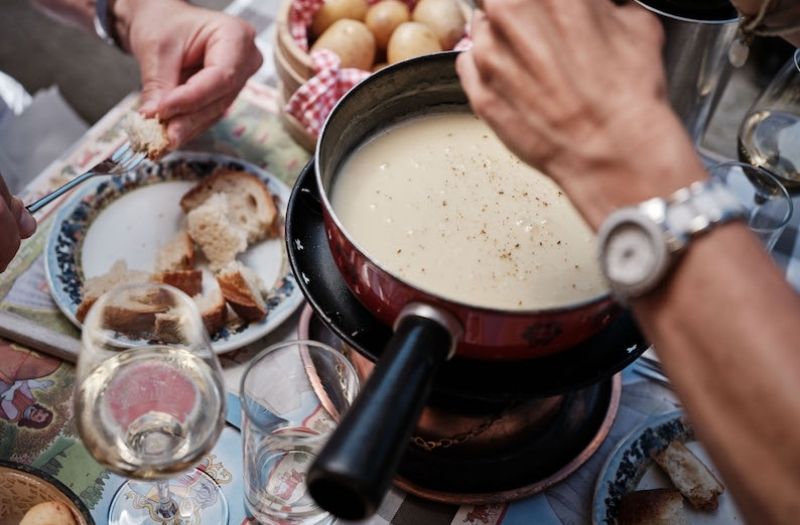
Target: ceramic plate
(132, 216)
(22, 487)
(630, 467)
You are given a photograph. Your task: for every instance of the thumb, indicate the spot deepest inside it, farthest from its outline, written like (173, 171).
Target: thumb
(160, 69)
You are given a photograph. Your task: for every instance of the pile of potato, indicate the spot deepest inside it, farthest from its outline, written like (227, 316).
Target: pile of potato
(368, 37)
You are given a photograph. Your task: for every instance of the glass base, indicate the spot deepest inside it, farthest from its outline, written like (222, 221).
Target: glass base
(198, 498)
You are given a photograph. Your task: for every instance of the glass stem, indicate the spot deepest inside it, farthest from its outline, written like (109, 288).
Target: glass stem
(167, 509)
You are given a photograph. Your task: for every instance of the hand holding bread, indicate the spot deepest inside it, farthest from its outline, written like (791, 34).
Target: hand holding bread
(192, 68)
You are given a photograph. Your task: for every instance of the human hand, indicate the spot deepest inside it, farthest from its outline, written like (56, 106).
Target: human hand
(576, 88)
(193, 61)
(15, 223)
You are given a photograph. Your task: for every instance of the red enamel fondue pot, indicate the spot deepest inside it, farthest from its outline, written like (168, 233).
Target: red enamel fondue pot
(354, 469)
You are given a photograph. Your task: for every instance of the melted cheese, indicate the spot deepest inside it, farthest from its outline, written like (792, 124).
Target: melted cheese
(440, 202)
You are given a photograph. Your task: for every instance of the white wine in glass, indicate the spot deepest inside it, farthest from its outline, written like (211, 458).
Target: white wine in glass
(150, 401)
(769, 136)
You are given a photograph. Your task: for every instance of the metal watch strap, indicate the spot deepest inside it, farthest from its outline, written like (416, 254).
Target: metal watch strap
(669, 224)
(697, 208)
(104, 22)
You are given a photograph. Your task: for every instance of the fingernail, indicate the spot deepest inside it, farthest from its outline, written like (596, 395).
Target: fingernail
(27, 224)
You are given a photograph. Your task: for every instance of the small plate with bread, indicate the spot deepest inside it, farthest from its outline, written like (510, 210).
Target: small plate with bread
(31, 497)
(208, 224)
(660, 474)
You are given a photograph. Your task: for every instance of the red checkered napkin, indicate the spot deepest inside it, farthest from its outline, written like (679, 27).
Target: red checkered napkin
(312, 101)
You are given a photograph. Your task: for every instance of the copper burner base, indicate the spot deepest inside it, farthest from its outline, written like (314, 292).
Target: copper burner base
(466, 453)
(417, 481)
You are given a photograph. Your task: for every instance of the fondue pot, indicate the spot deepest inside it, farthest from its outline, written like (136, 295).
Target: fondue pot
(353, 470)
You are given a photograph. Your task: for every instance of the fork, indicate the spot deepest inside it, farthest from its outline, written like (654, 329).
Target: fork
(123, 160)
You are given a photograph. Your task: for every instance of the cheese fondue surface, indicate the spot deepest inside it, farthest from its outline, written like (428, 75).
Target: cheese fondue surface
(440, 202)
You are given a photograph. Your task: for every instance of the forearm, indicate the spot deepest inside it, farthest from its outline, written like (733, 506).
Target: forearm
(725, 326)
(725, 323)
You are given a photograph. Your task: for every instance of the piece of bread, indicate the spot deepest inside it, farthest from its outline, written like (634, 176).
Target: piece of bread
(241, 288)
(49, 513)
(252, 207)
(211, 304)
(652, 507)
(177, 254)
(209, 226)
(188, 281)
(133, 314)
(146, 135)
(94, 287)
(690, 476)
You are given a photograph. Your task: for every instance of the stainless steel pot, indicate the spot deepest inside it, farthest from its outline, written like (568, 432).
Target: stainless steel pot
(698, 36)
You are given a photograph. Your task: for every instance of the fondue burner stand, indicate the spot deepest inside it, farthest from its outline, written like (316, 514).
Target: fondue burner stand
(479, 453)
(491, 431)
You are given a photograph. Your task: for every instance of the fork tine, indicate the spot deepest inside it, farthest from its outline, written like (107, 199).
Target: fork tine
(121, 151)
(130, 163)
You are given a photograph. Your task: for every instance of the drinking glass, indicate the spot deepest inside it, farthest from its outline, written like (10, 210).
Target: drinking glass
(766, 201)
(293, 395)
(150, 403)
(770, 133)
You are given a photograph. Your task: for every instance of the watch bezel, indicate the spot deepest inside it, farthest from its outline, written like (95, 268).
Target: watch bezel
(655, 232)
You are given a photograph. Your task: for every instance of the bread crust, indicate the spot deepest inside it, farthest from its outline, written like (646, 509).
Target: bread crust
(188, 281)
(243, 297)
(652, 507)
(690, 476)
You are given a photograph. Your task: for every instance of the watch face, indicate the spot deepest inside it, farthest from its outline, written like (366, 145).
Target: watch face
(631, 257)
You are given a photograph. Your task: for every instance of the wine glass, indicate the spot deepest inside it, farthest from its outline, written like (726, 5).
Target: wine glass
(150, 403)
(769, 136)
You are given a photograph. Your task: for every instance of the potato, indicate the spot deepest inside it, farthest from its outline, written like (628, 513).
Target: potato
(352, 41)
(333, 10)
(48, 513)
(445, 19)
(384, 17)
(411, 39)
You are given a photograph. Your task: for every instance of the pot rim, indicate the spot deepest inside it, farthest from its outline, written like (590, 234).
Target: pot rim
(665, 14)
(329, 211)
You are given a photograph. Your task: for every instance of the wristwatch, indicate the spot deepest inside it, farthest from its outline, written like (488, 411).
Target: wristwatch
(104, 22)
(639, 244)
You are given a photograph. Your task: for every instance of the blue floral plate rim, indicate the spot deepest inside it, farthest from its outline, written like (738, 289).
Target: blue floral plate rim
(75, 215)
(630, 459)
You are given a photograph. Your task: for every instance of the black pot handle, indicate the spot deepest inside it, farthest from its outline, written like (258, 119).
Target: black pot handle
(353, 471)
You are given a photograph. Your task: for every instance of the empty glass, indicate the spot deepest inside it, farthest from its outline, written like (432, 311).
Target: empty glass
(768, 204)
(770, 133)
(293, 395)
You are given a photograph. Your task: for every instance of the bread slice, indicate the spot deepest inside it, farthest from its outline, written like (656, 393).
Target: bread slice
(652, 507)
(209, 226)
(177, 254)
(252, 207)
(241, 288)
(212, 305)
(690, 476)
(94, 287)
(133, 314)
(188, 281)
(146, 135)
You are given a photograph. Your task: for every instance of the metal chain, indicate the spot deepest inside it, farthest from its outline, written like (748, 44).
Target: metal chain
(458, 439)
